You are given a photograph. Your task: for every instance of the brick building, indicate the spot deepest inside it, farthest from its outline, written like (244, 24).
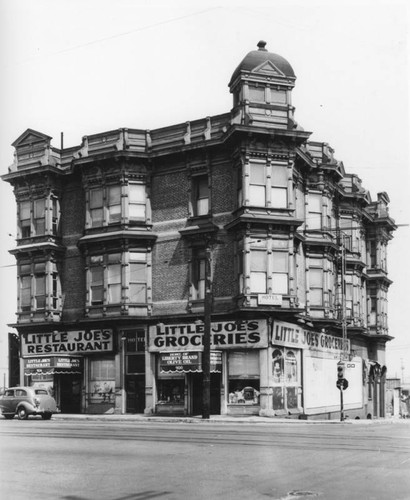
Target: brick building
(115, 237)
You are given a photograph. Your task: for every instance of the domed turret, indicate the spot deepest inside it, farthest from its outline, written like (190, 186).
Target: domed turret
(262, 61)
(261, 86)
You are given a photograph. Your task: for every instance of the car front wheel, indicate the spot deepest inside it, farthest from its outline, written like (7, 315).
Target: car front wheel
(22, 413)
(46, 415)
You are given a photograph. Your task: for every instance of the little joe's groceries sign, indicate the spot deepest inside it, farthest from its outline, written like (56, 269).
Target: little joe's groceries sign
(224, 335)
(79, 342)
(288, 334)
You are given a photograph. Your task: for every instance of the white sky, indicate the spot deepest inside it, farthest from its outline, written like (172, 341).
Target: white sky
(87, 66)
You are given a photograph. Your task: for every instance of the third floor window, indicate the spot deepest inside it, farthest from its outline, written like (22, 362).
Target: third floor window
(38, 217)
(116, 204)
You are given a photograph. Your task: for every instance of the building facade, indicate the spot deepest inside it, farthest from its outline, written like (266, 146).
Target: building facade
(122, 239)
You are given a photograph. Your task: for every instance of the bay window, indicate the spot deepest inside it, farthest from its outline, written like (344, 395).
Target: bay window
(38, 217)
(117, 277)
(268, 185)
(106, 205)
(39, 286)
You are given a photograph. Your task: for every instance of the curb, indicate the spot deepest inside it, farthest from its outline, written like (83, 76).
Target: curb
(219, 420)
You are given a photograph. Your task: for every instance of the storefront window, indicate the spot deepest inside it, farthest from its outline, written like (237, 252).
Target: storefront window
(171, 391)
(102, 380)
(244, 381)
(285, 379)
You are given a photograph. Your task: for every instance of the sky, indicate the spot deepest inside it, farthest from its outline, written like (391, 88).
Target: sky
(86, 66)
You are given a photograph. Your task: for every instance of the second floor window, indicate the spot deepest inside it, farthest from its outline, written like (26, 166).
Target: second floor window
(39, 286)
(116, 278)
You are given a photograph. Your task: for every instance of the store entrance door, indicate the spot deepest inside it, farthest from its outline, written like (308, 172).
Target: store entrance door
(70, 393)
(197, 379)
(135, 389)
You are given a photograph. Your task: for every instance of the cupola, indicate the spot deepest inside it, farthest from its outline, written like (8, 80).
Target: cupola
(261, 86)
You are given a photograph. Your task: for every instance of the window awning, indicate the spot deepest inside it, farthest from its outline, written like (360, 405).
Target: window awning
(53, 365)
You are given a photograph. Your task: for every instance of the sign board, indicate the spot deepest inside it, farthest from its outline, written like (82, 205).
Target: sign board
(188, 362)
(224, 335)
(291, 335)
(63, 343)
(342, 384)
(52, 365)
(265, 299)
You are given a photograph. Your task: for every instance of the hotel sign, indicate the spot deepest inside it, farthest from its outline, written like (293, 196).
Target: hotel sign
(63, 343)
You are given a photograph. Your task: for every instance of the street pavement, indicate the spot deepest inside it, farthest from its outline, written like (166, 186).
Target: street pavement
(137, 457)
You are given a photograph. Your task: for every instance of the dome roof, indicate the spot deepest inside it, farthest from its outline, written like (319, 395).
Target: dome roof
(257, 57)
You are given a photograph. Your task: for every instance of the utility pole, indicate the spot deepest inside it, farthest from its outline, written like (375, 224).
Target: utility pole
(206, 354)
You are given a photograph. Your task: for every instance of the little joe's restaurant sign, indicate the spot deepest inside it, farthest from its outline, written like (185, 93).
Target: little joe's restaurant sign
(63, 343)
(224, 335)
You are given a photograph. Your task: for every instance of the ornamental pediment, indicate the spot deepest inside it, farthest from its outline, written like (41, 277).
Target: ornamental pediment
(30, 137)
(269, 68)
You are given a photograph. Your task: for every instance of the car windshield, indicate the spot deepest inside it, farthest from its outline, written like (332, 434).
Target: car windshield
(41, 391)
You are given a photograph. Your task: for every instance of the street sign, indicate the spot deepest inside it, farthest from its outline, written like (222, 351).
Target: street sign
(342, 384)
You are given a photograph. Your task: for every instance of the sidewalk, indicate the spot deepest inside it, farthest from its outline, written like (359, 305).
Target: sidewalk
(219, 419)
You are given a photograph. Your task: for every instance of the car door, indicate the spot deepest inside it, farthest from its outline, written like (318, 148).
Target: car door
(8, 402)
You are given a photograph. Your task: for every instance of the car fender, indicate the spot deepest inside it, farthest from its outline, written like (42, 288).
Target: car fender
(28, 407)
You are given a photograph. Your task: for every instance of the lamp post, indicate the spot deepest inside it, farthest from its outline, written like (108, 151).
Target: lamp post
(206, 354)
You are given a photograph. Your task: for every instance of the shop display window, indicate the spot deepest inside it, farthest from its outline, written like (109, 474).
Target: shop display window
(244, 381)
(171, 391)
(102, 380)
(285, 379)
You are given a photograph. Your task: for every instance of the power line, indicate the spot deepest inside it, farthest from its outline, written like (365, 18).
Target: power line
(125, 33)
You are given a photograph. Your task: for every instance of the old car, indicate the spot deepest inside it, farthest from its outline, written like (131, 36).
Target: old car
(25, 401)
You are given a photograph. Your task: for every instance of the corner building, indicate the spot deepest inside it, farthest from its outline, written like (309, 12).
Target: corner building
(115, 237)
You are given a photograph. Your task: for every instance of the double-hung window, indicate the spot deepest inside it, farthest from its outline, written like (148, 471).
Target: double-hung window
(96, 280)
(257, 186)
(279, 189)
(199, 275)
(137, 201)
(114, 278)
(201, 195)
(314, 218)
(96, 207)
(316, 282)
(138, 277)
(258, 270)
(39, 216)
(114, 204)
(280, 263)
